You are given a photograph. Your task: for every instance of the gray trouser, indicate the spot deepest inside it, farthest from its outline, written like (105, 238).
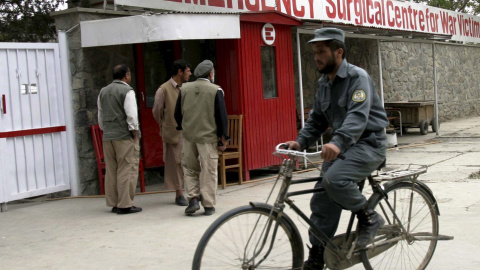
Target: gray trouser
(340, 186)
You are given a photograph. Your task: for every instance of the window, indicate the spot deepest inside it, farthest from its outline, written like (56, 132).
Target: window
(269, 72)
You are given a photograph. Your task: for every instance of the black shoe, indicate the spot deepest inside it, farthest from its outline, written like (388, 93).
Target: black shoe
(209, 211)
(180, 200)
(114, 209)
(368, 223)
(129, 210)
(315, 258)
(192, 206)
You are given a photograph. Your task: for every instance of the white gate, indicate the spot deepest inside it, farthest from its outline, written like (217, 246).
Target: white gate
(34, 154)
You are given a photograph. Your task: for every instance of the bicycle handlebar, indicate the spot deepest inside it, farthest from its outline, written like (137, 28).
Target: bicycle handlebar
(282, 148)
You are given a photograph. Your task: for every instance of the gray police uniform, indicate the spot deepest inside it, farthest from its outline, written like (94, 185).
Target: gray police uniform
(352, 108)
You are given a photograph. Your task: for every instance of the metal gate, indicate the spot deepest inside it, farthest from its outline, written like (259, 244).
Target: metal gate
(34, 152)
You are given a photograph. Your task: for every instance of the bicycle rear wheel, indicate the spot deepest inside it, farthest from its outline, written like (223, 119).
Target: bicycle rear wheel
(233, 241)
(416, 210)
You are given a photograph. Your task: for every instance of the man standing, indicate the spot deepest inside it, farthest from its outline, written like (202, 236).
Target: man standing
(346, 101)
(201, 113)
(118, 118)
(163, 110)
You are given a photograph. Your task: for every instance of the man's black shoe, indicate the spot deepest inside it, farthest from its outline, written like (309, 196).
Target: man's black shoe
(368, 223)
(129, 210)
(114, 209)
(192, 206)
(209, 211)
(315, 258)
(180, 200)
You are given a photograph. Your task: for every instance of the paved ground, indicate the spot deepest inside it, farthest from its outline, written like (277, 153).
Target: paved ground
(81, 233)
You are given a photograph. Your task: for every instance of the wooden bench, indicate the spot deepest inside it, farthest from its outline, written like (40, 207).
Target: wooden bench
(97, 136)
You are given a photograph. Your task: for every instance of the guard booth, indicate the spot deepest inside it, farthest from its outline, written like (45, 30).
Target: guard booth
(257, 74)
(253, 62)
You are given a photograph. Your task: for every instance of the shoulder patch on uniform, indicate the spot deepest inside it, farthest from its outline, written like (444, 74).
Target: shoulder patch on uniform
(359, 95)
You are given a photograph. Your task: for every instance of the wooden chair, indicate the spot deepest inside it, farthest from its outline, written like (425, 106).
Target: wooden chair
(97, 136)
(233, 151)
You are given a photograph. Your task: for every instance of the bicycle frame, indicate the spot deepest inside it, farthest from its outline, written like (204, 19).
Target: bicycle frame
(345, 254)
(284, 197)
(262, 235)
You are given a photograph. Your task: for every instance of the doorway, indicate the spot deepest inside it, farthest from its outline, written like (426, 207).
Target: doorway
(154, 61)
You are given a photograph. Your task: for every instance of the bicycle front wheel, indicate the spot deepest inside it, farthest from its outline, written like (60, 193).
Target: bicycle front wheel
(410, 243)
(248, 237)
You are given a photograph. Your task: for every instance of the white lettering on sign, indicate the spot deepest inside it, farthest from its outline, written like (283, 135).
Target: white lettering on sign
(268, 34)
(388, 14)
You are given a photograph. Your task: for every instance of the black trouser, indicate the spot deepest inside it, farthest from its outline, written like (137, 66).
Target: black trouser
(339, 181)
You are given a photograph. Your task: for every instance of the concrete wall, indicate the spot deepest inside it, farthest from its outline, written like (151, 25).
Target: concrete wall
(408, 73)
(91, 69)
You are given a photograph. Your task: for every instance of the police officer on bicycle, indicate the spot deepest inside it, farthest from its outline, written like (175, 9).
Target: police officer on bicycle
(347, 102)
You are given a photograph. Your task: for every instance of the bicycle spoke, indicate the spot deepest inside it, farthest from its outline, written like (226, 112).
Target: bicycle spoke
(234, 242)
(416, 213)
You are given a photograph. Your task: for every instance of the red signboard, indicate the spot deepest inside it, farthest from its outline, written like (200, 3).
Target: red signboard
(387, 14)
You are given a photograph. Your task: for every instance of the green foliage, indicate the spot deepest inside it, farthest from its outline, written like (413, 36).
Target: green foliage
(463, 6)
(27, 20)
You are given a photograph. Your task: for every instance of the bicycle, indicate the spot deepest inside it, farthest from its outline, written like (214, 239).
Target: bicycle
(262, 236)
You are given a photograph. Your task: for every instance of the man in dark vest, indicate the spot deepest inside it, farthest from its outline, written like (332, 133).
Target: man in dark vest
(163, 109)
(118, 118)
(201, 113)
